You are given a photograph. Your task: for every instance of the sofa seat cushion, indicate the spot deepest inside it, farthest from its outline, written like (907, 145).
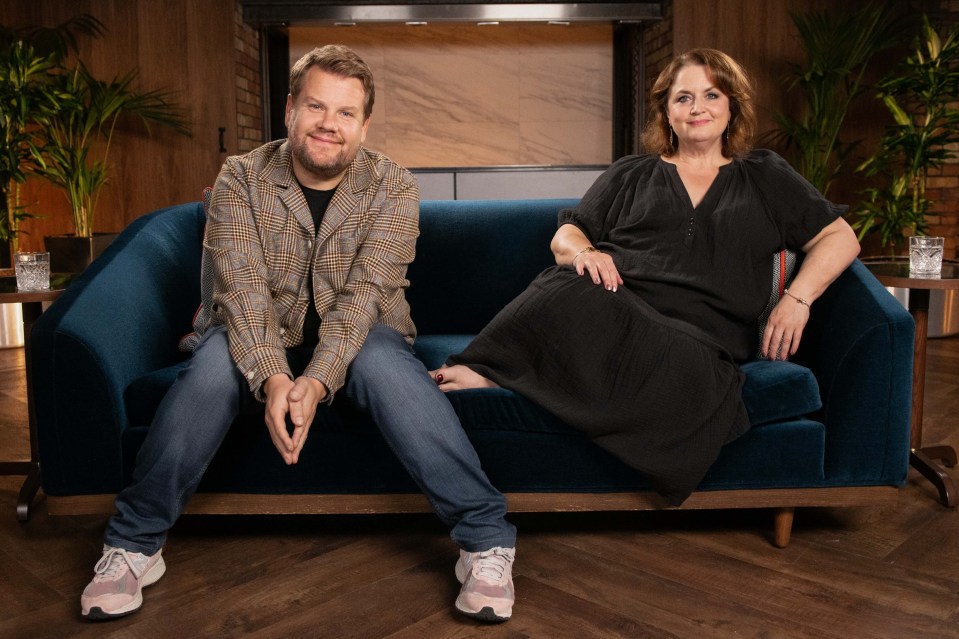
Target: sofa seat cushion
(773, 392)
(143, 396)
(523, 447)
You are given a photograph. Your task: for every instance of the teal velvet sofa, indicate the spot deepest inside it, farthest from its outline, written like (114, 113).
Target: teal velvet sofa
(829, 428)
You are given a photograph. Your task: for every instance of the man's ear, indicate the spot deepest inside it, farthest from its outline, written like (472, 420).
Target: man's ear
(366, 126)
(288, 111)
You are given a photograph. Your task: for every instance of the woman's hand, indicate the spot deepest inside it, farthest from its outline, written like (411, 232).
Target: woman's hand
(572, 248)
(828, 254)
(600, 268)
(784, 329)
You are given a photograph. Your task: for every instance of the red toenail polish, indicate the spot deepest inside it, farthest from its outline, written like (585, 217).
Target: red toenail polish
(439, 378)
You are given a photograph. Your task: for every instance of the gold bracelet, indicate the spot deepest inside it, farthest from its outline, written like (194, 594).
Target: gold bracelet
(798, 299)
(588, 249)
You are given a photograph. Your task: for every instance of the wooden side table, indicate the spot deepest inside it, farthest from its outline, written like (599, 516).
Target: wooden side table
(32, 304)
(895, 272)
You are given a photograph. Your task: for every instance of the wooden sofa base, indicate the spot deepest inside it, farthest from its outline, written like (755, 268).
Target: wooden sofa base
(783, 501)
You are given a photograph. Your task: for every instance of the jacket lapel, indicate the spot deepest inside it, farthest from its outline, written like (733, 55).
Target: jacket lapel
(358, 177)
(280, 173)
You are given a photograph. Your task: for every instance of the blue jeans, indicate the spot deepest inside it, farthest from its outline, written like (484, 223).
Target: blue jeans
(385, 379)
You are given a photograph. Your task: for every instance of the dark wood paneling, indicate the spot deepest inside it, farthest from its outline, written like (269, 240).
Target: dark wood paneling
(184, 46)
(759, 35)
(762, 37)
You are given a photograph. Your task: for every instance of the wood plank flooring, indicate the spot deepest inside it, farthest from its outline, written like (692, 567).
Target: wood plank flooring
(863, 572)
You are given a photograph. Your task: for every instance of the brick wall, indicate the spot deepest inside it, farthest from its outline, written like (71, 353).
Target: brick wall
(658, 43)
(942, 187)
(249, 101)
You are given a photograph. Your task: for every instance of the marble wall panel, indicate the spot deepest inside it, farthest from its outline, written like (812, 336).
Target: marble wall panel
(453, 144)
(376, 133)
(464, 95)
(565, 142)
(433, 88)
(566, 86)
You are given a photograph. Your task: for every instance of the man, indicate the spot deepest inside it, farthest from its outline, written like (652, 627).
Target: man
(308, 240)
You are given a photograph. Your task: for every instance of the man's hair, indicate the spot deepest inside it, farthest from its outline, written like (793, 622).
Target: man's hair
(338, 60)
(729, 77)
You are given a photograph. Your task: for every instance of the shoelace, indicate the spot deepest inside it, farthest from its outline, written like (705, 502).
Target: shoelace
(492, 564)
(112, 564)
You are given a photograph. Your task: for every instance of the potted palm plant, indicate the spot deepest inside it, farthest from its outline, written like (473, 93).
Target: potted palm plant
(30, 58)
(20, 93)
(839, 47)
(920, 94)
(77, 140)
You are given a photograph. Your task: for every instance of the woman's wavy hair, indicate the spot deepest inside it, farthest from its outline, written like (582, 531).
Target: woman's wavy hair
(729, 77)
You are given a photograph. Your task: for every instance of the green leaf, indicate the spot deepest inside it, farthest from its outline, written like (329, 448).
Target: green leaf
(839, 46)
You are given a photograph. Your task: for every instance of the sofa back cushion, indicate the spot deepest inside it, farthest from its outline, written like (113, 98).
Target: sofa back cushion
(474, 256)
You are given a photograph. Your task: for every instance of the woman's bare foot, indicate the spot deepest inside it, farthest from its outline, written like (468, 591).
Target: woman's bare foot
(459, 377)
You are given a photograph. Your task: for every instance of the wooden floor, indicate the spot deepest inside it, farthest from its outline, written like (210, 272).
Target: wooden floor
(867, 572)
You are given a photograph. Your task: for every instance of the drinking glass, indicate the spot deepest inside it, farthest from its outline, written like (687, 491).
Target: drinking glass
(33, 271)
(925, 255)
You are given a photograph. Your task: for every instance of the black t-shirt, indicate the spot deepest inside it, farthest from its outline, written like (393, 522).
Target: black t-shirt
(318, 201)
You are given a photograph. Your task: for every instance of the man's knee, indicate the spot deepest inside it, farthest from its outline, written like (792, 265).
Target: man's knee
(383, 348)
(384, 361)
(211, 371)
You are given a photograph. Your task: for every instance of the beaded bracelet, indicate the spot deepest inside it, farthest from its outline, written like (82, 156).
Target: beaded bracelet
(798, 299)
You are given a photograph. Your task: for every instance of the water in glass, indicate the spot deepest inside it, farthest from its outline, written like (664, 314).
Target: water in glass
(33, 271)
(925, 255)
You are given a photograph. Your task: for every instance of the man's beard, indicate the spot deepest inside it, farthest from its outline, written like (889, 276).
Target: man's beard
(323, 170)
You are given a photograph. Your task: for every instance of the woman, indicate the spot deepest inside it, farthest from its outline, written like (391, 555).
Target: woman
(662, 272)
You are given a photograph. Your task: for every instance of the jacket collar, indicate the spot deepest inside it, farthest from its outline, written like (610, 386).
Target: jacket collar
(363, 171)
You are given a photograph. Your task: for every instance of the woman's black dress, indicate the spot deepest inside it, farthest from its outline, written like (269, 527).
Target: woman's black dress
(650, 372)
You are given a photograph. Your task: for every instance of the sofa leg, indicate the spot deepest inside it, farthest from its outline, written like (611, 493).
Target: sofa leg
(782, 526)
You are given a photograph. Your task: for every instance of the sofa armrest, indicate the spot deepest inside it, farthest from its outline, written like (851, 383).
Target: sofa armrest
(859, 345)
(118, 320)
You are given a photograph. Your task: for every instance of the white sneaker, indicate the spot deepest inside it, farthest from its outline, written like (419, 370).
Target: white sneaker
(119, 578)
(487, 577)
